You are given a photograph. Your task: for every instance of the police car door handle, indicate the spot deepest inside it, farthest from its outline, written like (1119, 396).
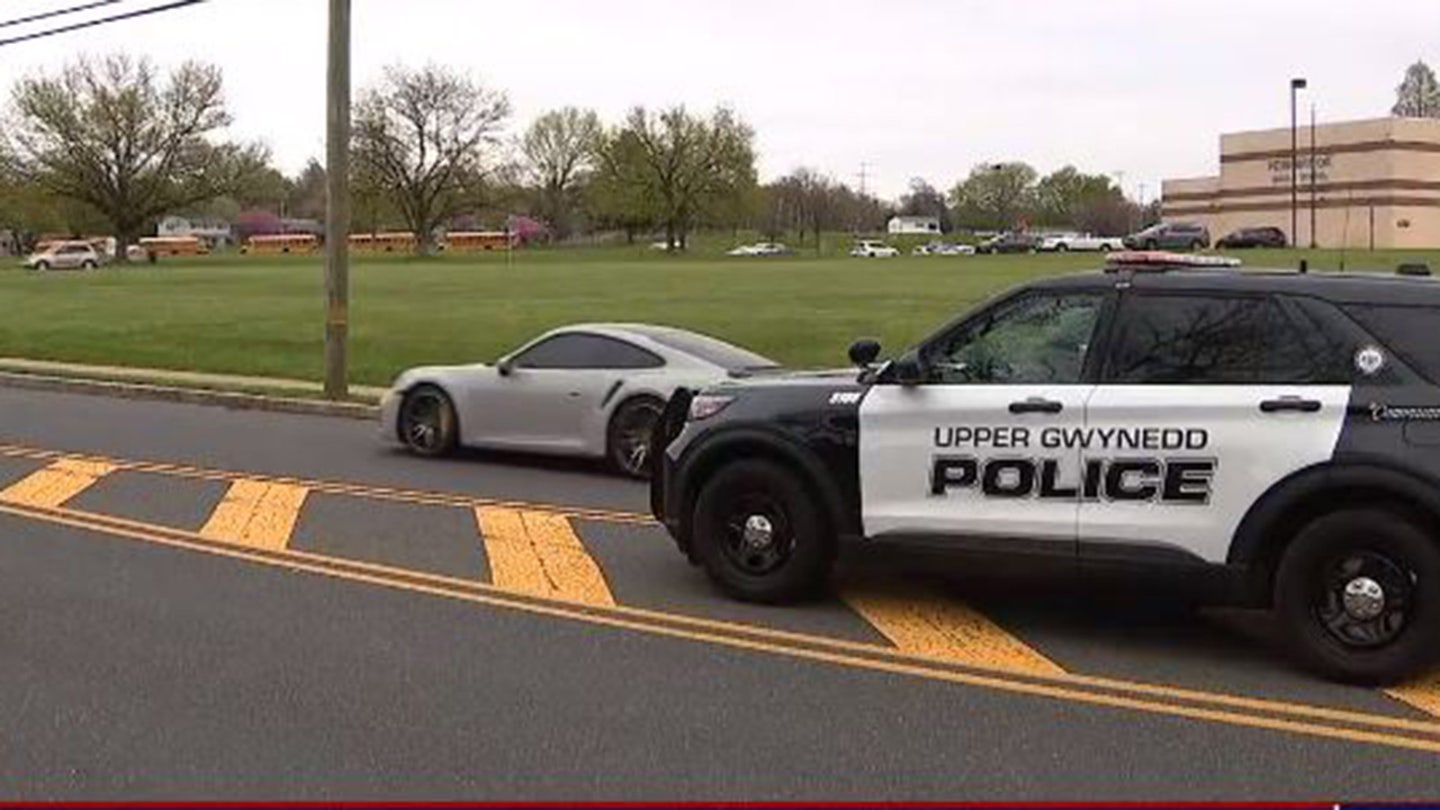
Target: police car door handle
(1036, 405)
(1291, 405)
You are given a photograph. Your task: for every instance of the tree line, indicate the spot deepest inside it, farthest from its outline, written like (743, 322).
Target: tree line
(113, 144)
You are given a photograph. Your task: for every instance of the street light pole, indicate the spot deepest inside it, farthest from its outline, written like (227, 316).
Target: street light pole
(337, 207)
(1296, 85)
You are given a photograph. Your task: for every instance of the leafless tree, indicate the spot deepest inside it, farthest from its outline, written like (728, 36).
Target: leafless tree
(423, 136)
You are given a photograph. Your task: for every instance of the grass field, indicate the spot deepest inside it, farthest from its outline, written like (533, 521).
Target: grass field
(265, 316)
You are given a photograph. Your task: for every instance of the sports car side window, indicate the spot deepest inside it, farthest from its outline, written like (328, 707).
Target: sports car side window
(1037, 338)
(578, 351)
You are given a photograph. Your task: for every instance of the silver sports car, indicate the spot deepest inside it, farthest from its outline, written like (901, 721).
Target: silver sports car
(589, 390)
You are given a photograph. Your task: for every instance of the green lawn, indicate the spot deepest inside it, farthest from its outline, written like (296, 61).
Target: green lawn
(261, 316)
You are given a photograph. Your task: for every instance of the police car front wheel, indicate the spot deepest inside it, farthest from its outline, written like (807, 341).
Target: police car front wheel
(759, 535)
(1359, 592)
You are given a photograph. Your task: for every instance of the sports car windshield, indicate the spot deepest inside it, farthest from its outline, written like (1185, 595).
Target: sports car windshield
(722, 354)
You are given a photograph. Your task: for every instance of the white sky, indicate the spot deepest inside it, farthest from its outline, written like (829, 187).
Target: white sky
(911, 87)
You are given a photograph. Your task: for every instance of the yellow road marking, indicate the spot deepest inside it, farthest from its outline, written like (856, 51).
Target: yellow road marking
(741, 637)
(368, 491)
(57, 483)
(257, 514)
(1423, 694)
(937, 627)
(538, 553)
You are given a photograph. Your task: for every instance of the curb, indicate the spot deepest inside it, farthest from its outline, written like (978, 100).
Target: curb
(190, 396)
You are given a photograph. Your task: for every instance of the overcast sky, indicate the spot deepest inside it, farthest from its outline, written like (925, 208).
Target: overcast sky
(910, 87)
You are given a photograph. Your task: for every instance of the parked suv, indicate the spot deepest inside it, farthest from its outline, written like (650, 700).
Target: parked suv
(1269, 237)
(1170, 236)
(1275, 436)
(65, 256)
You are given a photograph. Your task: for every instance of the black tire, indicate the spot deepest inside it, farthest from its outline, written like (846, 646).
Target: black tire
(1151, 244)
(427, 422)
(1105, 247)
(627, 439)
(1062, 248)
(1197, 245)
(791, 564)
(87, 265)
(1345, 552)
(42, 266)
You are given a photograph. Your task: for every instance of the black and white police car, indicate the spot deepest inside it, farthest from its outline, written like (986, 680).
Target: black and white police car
(1276, 432)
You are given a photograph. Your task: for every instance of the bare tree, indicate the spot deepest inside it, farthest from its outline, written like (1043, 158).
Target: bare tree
(114, 136)
(423, 135)
(559, 149)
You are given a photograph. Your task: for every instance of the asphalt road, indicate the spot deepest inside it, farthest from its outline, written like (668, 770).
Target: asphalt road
(197, 603)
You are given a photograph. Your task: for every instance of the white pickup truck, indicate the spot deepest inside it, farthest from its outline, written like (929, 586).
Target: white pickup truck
(1062, 242)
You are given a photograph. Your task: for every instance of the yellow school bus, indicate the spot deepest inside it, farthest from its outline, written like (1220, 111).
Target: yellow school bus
(476, 241)
(275, 244)
(159, 246)
(394, 242)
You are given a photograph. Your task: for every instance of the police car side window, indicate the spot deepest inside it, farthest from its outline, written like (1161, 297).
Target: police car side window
(1210, 340)
(1038, 338)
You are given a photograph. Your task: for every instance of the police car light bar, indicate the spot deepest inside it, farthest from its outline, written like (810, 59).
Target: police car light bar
(1156, 260)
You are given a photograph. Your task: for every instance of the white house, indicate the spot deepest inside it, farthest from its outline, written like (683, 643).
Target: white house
(900, 226)
(214, 233)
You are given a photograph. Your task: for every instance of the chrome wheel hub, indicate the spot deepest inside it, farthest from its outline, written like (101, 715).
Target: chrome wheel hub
(759, 532)
(1364, 598)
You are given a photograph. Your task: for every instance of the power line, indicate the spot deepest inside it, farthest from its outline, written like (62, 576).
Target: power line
(102, 21)
(61, 12)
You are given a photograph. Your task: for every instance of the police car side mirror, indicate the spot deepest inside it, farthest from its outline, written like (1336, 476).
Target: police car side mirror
(863, 352)
(505, 367)
(907, 370)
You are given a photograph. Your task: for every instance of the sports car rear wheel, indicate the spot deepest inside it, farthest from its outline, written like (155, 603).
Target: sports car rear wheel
(427, 422)
(628, 440)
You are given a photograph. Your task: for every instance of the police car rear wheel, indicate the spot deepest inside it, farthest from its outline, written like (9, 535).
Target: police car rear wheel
(1359, 592)
(758, 534)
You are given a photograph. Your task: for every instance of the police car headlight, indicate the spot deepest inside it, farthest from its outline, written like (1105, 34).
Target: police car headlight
(707, 405)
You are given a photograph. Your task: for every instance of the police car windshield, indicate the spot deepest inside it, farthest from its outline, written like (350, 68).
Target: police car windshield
(722, 354)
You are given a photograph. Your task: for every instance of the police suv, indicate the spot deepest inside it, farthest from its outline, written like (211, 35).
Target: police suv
(1276, 432)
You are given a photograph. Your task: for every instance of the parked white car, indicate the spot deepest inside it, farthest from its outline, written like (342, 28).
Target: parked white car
(873, 249)
(592, 390)
(760, 249)
(943, 249)
(1062, 242)
(65, 256)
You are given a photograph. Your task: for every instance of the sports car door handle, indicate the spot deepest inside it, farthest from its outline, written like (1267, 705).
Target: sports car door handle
(1036, 405)
(1290, 404)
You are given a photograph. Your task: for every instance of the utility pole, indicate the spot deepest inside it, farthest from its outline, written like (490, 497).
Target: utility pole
(337, 207)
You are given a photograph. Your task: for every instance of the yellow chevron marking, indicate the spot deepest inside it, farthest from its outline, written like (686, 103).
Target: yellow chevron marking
(51, 487)
(538, 553)
(940, 627)
(256, 514)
